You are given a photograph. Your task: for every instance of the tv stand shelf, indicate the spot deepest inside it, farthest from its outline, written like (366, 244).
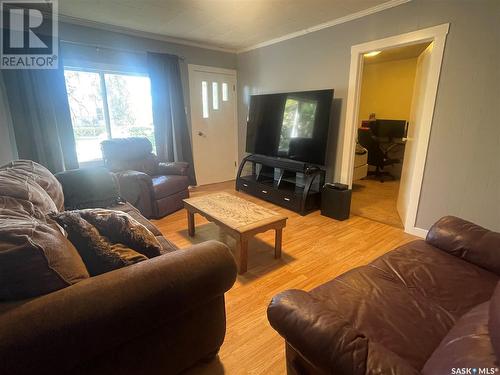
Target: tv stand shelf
(288, 183)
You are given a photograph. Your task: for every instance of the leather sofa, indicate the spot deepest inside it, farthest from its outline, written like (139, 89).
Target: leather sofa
(427, 307)
(156, 189)
(159, 316)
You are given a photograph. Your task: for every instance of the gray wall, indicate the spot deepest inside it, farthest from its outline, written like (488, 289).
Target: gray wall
(462, 174)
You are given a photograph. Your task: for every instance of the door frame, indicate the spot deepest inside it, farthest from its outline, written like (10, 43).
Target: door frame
(230, 72)
(435, 34)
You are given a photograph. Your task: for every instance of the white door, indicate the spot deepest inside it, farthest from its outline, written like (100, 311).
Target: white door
(213, 123)
(417, 105)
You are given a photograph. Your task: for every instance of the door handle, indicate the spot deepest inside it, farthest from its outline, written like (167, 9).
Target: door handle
(201, 134)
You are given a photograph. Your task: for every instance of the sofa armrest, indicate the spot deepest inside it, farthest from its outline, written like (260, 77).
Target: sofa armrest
(468, 241)
(71, 326)
(137, 189)
(327, 341)
(174, 168)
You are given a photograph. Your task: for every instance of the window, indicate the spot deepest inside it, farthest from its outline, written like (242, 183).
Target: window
(105, 105)
(204, 98)
(225, 92)
(215, 95)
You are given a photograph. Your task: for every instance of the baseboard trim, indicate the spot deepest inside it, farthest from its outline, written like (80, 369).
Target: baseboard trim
(419, 232)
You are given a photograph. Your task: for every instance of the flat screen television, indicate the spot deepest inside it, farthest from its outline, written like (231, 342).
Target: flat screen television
(291, 125)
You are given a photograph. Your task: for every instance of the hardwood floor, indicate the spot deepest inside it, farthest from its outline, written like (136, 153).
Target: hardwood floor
(315, 250)
(377, 201)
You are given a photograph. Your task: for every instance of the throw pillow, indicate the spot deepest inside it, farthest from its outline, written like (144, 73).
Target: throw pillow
(121, 227)
(35, 257)
(99, 254)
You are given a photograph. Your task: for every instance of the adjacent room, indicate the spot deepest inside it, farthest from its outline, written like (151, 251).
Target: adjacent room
(389, 105)
(249, 187)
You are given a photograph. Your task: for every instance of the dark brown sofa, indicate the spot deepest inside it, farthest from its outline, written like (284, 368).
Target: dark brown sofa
(156, 189)
(159, 316)
(427, 307)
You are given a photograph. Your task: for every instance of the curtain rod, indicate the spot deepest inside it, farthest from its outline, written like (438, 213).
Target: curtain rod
(97, 47)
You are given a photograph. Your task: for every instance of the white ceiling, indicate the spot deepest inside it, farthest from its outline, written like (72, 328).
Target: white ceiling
(228, 24)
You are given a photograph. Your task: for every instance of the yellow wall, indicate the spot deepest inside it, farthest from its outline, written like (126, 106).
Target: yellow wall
(387, 89)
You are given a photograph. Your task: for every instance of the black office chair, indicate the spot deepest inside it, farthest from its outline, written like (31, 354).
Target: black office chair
(376, 156)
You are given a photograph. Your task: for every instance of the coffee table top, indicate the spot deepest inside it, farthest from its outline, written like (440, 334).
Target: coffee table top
(232, 211)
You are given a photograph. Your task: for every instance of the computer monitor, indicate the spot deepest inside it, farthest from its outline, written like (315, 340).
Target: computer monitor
(389, 128)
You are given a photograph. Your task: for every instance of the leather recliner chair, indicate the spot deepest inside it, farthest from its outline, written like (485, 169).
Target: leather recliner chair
(156, 189)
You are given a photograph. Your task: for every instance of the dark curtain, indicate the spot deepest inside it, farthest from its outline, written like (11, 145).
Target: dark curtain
(169, 116)
(41, 117)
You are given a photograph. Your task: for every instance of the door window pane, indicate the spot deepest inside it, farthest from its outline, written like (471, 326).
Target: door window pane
(87, 113)
(215, 95)
(225, 93)
(204, 98)
(130, 108)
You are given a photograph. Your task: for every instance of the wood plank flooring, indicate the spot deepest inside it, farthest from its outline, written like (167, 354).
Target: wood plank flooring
(377, 201)
(315, 250)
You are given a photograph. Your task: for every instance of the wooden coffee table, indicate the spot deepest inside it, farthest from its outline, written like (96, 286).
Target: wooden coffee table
(239, 218)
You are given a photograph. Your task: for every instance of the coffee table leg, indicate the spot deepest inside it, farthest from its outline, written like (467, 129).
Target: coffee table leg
(277, 243)
(242, 253)
(190, 223)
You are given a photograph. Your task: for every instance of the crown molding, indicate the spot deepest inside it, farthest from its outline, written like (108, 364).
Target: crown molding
(138, 33)
(144, 34)
(337, 21)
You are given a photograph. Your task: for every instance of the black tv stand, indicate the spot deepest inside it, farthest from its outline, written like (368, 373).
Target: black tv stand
(288, 183)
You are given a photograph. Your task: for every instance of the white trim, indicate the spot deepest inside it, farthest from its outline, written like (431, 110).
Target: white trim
(337, 21)
(437, 35)
(229, 72)
(212, 69)
(140, 34)
(419, 232)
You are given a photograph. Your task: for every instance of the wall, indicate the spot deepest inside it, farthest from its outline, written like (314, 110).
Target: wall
(462, 173)
(387, 89)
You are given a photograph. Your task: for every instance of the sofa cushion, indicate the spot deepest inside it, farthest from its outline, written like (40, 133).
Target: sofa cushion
(98, 253)
(89, 188)
(408, 299)
(467, 345)
(41, 175)
(494, 322)
(22, 186)
(35, 257)
(120, 227)
(163, 186)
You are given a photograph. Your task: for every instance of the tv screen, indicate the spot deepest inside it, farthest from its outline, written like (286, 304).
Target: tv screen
(290, 125)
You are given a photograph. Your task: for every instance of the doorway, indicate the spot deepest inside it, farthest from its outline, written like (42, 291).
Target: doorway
(386, 113)
(416, 142)
(213, 123)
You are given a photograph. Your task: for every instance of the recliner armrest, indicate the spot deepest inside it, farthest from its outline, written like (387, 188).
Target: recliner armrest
(468, 241)
(137, 189)
(69, 327)
(179, 168)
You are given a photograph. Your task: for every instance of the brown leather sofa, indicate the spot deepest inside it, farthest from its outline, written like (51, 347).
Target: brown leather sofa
(427, 307)
(159, 316)
(156, 189)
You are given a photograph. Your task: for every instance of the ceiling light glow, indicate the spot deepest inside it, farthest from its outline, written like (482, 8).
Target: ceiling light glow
(372, 53)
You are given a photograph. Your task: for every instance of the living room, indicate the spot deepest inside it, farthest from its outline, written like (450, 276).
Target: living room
(218, 138)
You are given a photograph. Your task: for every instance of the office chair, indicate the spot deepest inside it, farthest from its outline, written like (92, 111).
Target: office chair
(376, 156)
